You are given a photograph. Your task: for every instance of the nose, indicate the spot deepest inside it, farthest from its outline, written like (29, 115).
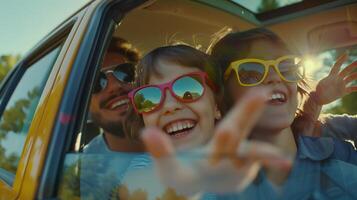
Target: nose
(114, 85)
(272, 77)
(170, 105)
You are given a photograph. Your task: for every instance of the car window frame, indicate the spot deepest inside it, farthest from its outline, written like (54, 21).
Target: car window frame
(15, 82)
(46, 45)
(102, 15)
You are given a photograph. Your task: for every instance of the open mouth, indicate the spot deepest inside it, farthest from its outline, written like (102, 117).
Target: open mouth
(277, 98)
(120, 103)
(180, 128)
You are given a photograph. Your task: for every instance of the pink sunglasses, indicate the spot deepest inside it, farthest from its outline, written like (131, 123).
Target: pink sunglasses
(186, 88)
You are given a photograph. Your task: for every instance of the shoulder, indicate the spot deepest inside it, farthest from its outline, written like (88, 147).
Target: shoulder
(321, 148)
(330, 120)
(96, 145)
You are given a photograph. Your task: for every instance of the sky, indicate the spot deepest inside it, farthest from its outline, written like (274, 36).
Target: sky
(23, 23)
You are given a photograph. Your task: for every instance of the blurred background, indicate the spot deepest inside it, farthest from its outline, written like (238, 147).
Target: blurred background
(24, 23)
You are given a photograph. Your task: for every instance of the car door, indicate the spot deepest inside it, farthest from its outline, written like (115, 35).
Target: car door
(25, 101)
(69, 99)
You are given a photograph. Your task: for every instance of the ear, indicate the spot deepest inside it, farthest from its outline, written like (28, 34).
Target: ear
(217, 113)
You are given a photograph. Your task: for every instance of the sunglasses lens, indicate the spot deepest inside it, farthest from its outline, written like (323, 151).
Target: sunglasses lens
(147, 99)
(101, 83)
(125, 72)
(250, 72)
(188, 88)
(291, 69)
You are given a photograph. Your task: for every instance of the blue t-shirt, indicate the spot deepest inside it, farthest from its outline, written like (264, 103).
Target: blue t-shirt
(102, 170)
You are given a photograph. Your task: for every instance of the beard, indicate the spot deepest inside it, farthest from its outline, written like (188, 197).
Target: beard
(108, 125)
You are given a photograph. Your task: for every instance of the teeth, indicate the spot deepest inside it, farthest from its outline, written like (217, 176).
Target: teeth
(119, 103)
(178, 126)
(278, 96)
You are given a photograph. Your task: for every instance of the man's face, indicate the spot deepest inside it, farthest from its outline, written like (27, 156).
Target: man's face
(108, 107)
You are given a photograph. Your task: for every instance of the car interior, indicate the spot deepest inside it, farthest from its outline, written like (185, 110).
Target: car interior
(307, 27)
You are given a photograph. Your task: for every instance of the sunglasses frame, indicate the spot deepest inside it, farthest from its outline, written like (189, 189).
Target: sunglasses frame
(205, 81)
(266, 63)
(110, 70)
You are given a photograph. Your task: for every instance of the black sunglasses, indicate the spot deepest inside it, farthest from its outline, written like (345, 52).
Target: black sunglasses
(124, 73)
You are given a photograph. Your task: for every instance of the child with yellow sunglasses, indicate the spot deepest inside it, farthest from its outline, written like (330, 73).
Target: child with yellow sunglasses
(259, 59)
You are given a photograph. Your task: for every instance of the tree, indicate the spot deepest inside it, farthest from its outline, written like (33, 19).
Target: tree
(267, 5)
(6, 64)
(13, 121)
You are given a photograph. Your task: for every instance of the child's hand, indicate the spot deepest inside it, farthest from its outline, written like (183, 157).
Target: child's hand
(231, 161)
(334, 86)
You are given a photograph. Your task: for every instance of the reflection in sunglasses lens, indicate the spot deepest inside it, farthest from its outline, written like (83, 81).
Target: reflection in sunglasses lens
(188, 88)
(291, 69)
(251, 72)
(122, 76)
(125, 72)
(147, 99)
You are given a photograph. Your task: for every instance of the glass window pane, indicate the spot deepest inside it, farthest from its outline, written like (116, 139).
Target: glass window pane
(18, 114)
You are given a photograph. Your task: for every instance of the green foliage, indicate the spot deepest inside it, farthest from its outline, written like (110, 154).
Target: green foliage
(347, 105)
(12, 122)
(69, 185)
(6, 64)
(267, 5)
(13, 118)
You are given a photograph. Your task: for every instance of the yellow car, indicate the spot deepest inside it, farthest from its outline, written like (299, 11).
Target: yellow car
(44, 120)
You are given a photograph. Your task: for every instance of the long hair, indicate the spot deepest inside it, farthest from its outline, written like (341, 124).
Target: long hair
(236, 45)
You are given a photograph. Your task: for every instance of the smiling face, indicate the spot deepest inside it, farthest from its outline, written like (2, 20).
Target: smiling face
(109, 106)
(188, 124)
(280, 111)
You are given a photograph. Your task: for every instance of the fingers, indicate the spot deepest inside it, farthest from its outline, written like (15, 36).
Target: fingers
(238, 123)
(337, 66)
(351, 89)
(220, 149)
(348, 69)
(267, 154)
(157, 142)
(171, 172)
(252, 170)
(350, 78)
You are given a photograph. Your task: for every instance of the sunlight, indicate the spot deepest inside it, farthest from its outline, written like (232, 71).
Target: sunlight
(312, 65)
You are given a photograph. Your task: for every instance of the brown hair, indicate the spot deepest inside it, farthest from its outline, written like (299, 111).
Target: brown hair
(236, 45)
(180, 54)
(123, 47)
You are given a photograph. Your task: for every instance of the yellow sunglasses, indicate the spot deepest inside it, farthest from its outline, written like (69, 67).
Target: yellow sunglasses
(252, 71)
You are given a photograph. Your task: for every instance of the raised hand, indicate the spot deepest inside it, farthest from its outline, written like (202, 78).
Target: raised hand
(228, 163)
(336, 84)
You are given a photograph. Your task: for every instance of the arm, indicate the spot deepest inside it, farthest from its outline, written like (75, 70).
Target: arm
(307, 122)
(339, 126)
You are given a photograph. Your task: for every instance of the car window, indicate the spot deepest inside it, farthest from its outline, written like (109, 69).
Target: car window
(20, 109)
(105, 162)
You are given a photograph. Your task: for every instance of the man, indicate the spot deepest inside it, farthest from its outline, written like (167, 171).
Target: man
(109, 155)
(109, 103)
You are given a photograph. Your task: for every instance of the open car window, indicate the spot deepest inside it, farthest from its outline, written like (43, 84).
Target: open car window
(105, 162)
